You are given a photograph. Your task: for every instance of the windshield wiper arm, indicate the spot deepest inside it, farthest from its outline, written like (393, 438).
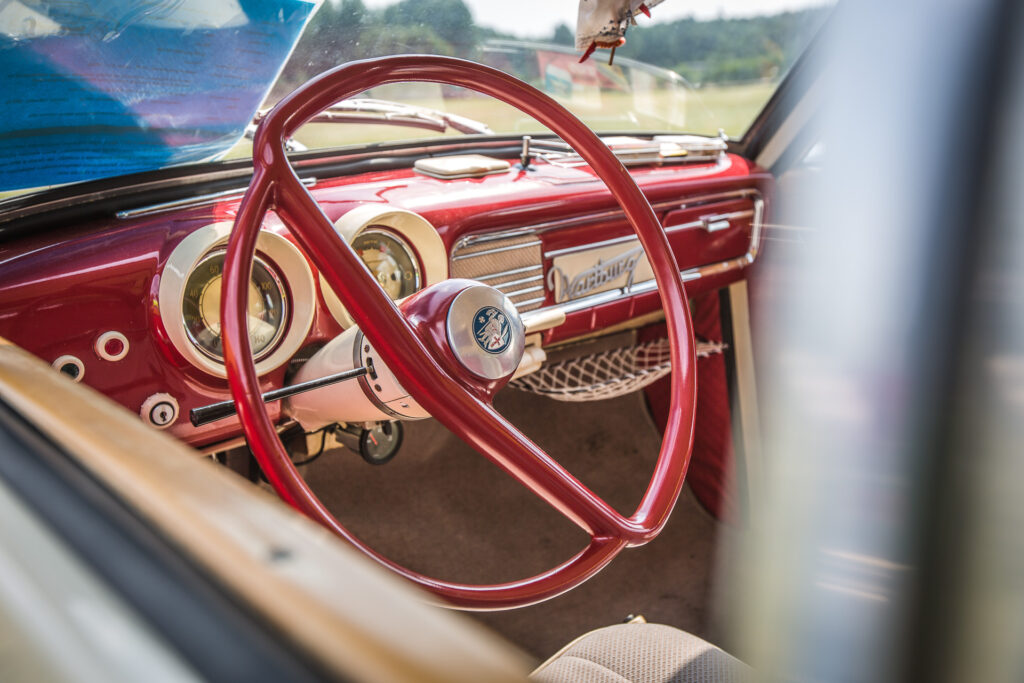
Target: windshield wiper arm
(367, 110)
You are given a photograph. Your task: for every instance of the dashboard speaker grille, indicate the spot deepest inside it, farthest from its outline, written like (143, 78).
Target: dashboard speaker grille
(510, 264)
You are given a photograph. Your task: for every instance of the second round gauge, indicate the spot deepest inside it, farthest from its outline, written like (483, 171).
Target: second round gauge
(390, 260)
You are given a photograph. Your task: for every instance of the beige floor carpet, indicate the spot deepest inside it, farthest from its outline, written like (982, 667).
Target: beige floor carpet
(442, 509)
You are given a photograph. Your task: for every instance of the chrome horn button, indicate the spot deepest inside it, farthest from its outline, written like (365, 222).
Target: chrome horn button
(485, 332)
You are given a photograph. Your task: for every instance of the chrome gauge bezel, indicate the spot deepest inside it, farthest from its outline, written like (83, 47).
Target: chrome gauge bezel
(406, 247)
(414, 232)
(283, 260)
(285, 306)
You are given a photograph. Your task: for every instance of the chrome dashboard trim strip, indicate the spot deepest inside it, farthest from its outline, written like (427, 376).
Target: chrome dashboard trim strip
(510, 283)
(470, 240)
(497, 250)
(518, 292)
(686, 275)
(590, 245)
(189, 202)
(673, 204)
(691, 225)
(514, 271)
(530, 302)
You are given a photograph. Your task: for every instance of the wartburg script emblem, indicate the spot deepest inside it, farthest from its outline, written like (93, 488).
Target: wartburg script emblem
(491, 330)
(595, 277)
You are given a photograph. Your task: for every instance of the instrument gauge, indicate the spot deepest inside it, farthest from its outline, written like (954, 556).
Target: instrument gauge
(401, 249)
(200, 307)
(390, 260)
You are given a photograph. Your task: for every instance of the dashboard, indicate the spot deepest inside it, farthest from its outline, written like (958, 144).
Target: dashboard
(130, 304)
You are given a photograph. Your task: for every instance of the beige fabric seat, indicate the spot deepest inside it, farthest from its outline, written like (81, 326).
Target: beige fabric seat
(641, 653)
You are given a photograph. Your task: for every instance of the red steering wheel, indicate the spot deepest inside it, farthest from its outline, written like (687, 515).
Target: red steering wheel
(410, 344)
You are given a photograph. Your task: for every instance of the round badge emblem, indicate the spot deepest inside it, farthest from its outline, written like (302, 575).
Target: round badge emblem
(491, 330)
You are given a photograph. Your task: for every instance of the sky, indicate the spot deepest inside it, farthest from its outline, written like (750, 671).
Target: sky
(536, 18)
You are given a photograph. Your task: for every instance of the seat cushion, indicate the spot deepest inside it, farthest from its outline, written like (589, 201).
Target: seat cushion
(641, 653)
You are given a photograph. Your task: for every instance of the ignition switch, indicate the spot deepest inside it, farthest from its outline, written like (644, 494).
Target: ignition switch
(159, 410)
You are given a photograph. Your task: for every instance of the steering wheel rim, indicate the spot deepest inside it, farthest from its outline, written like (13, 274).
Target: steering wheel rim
(276, 186)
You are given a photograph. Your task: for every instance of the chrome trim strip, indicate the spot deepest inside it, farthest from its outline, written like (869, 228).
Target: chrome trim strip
(686, 275)
(591, 245)
(611, 213)
(522, 291)
(588, 301)
(510, 283)
(470, 240)
(678, 227)
(497, 250)
(477, 238)
(530, 302)
(190, 202)
(514, 271)
(701, 223)
(640, 287)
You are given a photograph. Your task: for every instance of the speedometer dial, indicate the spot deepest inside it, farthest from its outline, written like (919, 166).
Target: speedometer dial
(390, 260)
(200, 307)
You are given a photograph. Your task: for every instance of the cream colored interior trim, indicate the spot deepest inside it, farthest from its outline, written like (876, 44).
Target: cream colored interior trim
(286, 257)
(343, 609)
(746, 388)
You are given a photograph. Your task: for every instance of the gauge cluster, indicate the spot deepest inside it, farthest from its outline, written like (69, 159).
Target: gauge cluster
(401, 249)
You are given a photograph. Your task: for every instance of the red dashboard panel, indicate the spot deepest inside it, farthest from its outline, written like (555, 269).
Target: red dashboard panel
(60, 291)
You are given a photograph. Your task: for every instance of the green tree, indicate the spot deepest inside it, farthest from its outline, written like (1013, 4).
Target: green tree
(350, 15)
(563, 35)
(449, 20)
(396, 40)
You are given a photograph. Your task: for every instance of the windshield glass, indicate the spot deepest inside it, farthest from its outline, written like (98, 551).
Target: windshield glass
(699, 66)
(101, 88)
